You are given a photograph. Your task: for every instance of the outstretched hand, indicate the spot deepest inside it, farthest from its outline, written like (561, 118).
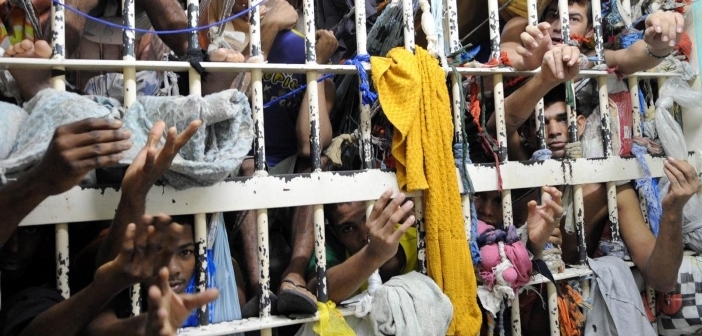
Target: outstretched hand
(663, 31)
(543, 220)
(78, 148)
(684, 183)
(168, 310)
(148, 245)
(561, 63)
(384, 238)
(536, 41)
(152, 161)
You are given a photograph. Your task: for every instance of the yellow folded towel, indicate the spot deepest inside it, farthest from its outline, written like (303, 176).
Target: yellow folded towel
(413, 94)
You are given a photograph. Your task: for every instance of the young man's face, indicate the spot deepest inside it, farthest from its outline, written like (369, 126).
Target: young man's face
(21, 249)
(348, 220)
(556, 128)
(579, 22)
(488, 206)
(182, 265)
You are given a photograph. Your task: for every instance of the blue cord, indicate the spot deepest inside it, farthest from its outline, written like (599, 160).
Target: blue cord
(369, 97)
(294, 92)
(162, 32)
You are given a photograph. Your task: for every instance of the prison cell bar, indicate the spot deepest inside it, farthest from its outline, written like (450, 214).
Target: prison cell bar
(129, 73)
(605, 119)
(58, 44)
(452, 40)
(533, 18)
(260, 165)
(578, 207)
(499, 99)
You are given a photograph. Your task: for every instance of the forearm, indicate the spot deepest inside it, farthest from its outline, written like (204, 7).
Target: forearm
(79, 309)
(635, 58)
(393, 266)
(168, 15)
(268, 35)
(17, 200)
(345, 279)
(664, 262)
(107, 324)
(521, 103)
(130, 209)
(303, 122)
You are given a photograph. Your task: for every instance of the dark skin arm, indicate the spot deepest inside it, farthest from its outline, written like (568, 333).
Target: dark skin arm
(344, 279)
(75, 149)
(157, 236)
(167, 15)
(147, 167)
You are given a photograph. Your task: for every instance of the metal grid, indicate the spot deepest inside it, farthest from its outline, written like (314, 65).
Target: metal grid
(249, 193)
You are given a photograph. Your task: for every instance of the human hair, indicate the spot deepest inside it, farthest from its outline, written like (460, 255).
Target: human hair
(586, 3)
(557, 94)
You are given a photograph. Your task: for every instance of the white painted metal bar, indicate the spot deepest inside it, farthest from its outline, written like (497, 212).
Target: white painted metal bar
(553, 309)
(408, 23)
(361, 49)
(421, 234)
(62, 260)
(315, 147)
(452, 40)
(82, 204)
(578, 206)
(533, 14)
(118, 65)
(58, 44)
(605, 119)
(128, 54)
(195, 86)
(260, 166)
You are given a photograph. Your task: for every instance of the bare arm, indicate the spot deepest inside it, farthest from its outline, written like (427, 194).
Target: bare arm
(344, 279)
(168, 15)
(279, 16)
(326, 93)
(145, 247)
(107, 324)
(658, 259)
(75, 149)
(559, 64)
(662, 33)
(146, 168)
(525, 45)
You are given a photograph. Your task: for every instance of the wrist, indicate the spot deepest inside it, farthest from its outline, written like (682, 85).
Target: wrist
(658, 53)
(373, 259)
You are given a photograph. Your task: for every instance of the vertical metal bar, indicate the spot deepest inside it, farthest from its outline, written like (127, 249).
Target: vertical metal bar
(264, 263)
(494, 24)
(361, 41)
(553, 309)
(129, 73)
(421, 234)
(408, 23)
(533, 14)
(58, 43)
(312, 96)
(201, 271)
(452, 40)
(62, 260)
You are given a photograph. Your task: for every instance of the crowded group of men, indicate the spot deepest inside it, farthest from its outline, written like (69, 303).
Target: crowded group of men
(159, 251)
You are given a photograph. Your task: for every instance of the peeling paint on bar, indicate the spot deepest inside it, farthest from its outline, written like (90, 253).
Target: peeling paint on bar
(553, 308)
(193, 18)
(408, 23)
(597, 26)
(62, 260)
(533, 14)
(320, 253)
(365, 127)
(494, 25)
(264, 280)
(201, 265)
(421, 234)
(128, 36)
(58, 44)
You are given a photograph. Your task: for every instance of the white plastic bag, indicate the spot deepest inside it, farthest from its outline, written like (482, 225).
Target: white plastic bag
(674, 90)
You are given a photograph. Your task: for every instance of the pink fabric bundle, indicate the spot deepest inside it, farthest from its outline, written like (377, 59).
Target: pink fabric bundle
(512, 263)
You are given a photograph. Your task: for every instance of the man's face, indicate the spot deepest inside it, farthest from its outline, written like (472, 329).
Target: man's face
(579, 22)
(488, 205)
(182, 265)
(556, 128)
(348, 220)
(21, 249)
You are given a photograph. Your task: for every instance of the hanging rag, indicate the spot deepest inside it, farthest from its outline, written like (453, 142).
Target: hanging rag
(217, 148)
(148, 83)
(413, 93)
(617, 308)
(410, 304)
